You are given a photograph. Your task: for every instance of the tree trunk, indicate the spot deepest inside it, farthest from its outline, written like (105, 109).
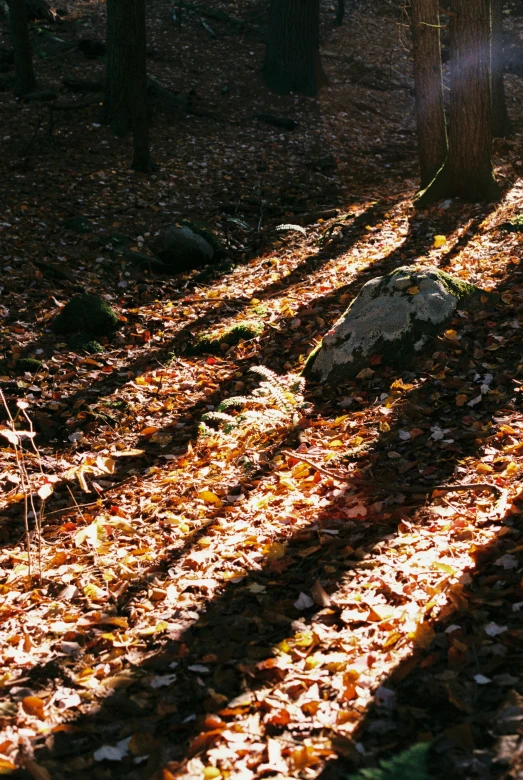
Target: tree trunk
(116, 110)
(340, 12)
(292, 57)
(25, 81)
(428, 78)
(138, 90)
(500, 118)
(125, 101)
(468, 171)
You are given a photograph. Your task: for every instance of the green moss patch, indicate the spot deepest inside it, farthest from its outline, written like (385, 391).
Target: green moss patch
(83, 342)
(28, 365)
(212, 341)
(88, 314)
(514, 225)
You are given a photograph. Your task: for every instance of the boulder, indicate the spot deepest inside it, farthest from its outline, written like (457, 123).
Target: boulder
(182, 249)
(394, 316)
(88, 314)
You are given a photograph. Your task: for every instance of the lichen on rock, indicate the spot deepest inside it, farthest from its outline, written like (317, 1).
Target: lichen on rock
(395, 316)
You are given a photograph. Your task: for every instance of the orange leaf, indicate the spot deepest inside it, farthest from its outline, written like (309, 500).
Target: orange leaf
(34, 705)
(279, 718)
(149, 431)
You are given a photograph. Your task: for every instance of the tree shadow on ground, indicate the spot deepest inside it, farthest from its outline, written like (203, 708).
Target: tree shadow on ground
(223, 648)
(278, 346)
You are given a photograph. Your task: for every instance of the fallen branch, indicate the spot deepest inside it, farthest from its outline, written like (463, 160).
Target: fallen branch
(393, 487)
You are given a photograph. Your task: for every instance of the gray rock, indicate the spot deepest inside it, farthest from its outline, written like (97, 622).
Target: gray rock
(182, 249)
(394, 316)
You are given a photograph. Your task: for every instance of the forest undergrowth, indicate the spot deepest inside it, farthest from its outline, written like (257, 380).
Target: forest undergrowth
(189, 601)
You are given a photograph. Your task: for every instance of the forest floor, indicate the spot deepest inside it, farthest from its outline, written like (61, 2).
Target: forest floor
(205, 606)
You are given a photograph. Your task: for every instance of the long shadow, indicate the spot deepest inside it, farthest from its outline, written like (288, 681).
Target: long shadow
(353, 230)
(275, 344)
(224, 651)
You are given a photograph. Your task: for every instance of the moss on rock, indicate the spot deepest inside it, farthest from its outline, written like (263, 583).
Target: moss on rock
(86, 313)
(212, 341)
(28, 365)
(83, 342)
(394, 316)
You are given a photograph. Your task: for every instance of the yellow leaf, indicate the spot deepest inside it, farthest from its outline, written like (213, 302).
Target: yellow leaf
(82, 481)
(439, 241)
(336, 443)
(484, 468)
(512, 468)
(381, 612)
(392, 638)
(303, 639)
(211, 773)
(445, 567)
(106, 464)
(210, 498)
(413, 290)
(274, 551)
(95, 593)
(7, 767)
(423, 636)
(451, 335)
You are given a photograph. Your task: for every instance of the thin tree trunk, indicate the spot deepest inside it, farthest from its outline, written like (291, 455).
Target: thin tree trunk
(116, 110)
(468, 171)
(292, 58)
(340, 12)
(428, 78)
(25, 80)
(138, 90)
(500, 117)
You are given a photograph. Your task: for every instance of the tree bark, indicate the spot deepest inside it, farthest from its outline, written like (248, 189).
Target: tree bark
(116, 110)
(468, 172)
(340, 12)
(125, 100)
(292, 57)
(500, 117)
(25, 80)
(138, 90)
(428, 78)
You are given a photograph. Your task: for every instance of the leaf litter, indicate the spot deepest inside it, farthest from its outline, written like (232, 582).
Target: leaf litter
(205, 605)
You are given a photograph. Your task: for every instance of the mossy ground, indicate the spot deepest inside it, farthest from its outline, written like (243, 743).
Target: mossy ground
(212, 341)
